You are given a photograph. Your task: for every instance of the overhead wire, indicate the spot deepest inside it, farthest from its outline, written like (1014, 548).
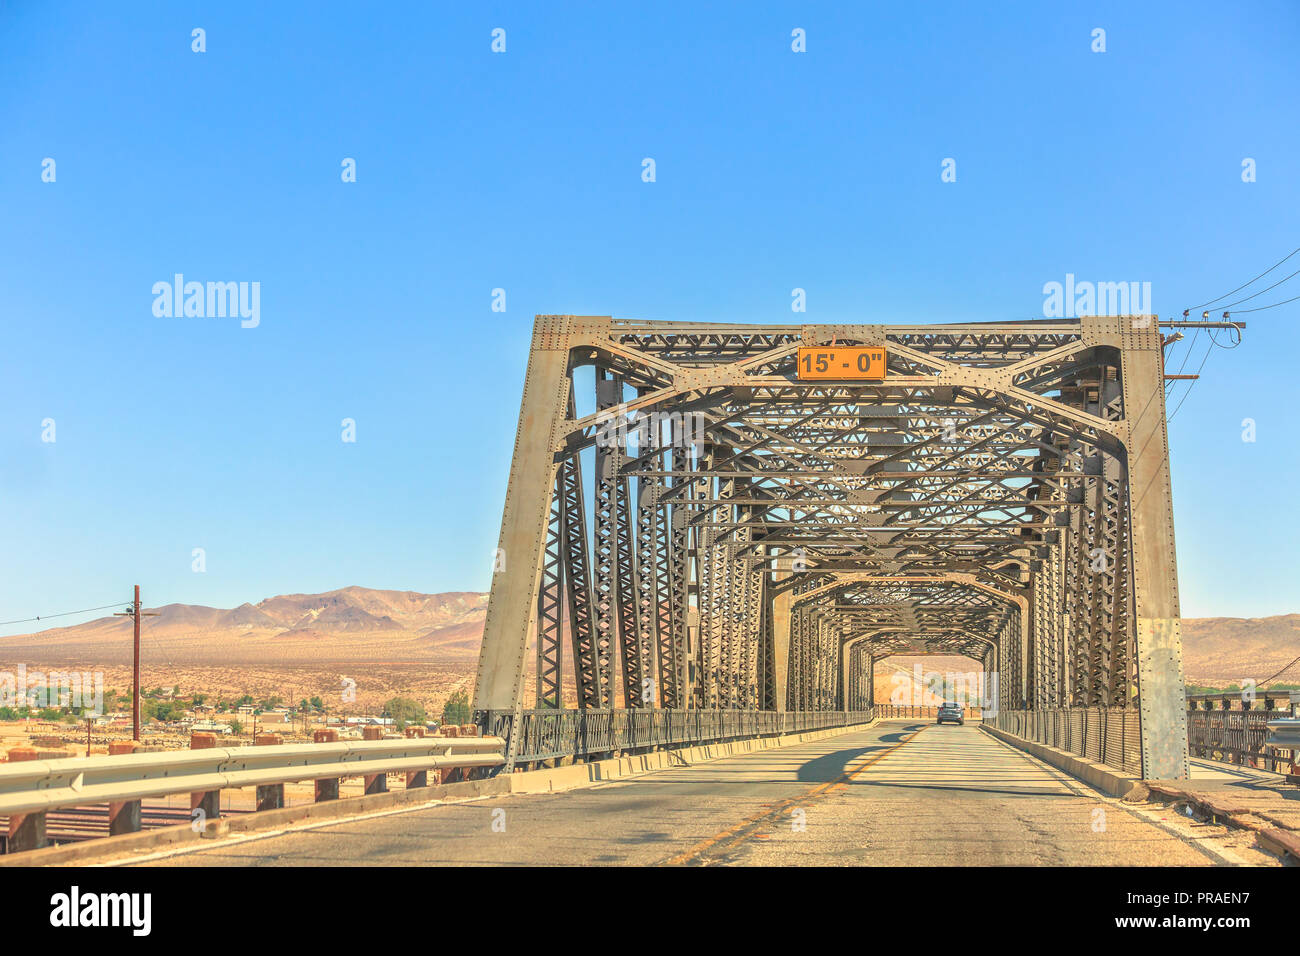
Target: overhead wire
(44, 617)
(1214, 342)
(1244, 284)
(1273, 306)
(1229, 306)
(1269, 680)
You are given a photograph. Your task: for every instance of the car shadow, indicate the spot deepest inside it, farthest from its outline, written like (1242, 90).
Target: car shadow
(907, 731)
(832, 766)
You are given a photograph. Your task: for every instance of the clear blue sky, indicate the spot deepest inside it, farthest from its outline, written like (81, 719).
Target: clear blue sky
(522, 171)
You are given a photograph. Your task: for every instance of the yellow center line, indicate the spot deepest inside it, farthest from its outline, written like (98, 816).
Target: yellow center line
(739, 832)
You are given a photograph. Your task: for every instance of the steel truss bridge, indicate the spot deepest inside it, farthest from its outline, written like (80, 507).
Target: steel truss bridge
(702, 544)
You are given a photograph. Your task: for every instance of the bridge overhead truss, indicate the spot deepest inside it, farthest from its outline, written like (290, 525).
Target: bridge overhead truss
(690, 527)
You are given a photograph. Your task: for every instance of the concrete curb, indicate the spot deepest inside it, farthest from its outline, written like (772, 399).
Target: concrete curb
(603, 771)
(1104, 778)
(535, 781)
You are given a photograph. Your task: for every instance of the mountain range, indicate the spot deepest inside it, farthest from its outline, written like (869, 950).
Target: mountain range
(357, 624)
(349, 624)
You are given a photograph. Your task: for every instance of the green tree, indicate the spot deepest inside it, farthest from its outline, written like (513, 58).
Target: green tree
(164, 710)
(404, 711)
(236, 727)
(456, 710)
(317, 703)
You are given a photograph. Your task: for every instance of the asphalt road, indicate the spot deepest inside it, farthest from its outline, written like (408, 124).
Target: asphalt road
(899, 793)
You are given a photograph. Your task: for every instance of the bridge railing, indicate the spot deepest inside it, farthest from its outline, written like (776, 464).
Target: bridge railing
(1237, 737)
(29, 789)
(921, 710)
(1108, 735)
(554, 734)
(1111, 735)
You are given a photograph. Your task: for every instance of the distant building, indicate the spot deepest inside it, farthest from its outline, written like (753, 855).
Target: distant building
(209, 727)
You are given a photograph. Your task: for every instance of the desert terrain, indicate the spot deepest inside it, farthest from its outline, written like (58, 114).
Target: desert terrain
(425, 646)
(294, 646)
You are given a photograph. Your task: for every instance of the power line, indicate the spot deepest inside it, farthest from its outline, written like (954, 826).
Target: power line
(1278, 674)
(1260, 292)
(1208, 349)
(1188, 352)
(1214, 343)
(1191, 346)
(1235, 333)
(1273, 306)
(1256, 279)
(42, 617)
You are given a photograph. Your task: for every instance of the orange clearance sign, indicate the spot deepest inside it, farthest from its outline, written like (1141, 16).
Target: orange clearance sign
(828, 362)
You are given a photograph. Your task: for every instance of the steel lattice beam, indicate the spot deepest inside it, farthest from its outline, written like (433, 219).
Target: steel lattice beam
(1002, 493)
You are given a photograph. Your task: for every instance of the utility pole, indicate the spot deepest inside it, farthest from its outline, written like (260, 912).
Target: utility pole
(135, 613)
(135, 668)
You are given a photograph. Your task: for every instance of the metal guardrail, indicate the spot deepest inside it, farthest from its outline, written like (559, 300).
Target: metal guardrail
(1108, 735)
(1239, 700)
(31, 788)
(1111, 736)
(69, 781)
(1283, 734)
(554, 734)
(1236, 737)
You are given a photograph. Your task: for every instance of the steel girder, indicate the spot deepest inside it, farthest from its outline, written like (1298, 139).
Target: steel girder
(1003, 493)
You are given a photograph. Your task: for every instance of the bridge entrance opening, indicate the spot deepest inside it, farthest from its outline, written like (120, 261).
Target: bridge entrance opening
(912, 684)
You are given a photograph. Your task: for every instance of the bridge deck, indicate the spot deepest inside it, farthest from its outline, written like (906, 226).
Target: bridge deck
(903, 792)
